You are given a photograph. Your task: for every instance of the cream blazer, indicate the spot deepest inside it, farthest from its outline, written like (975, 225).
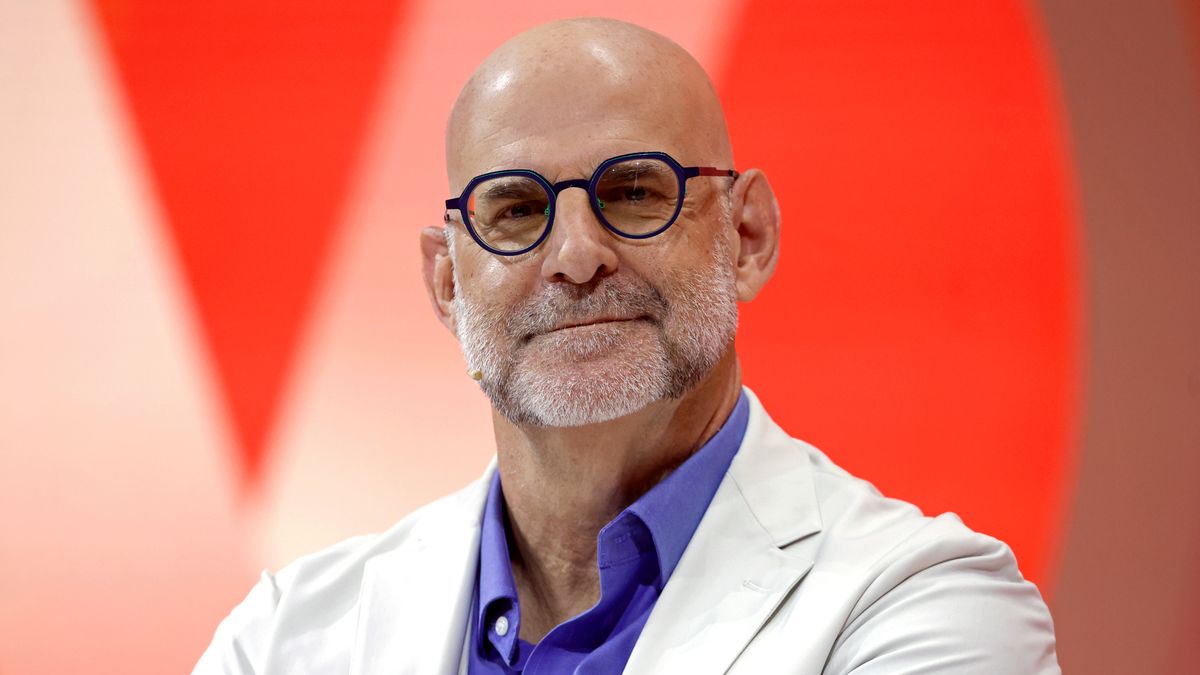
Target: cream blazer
(796, 567)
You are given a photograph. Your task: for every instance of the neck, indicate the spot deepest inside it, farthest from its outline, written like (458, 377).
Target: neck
(563, 484)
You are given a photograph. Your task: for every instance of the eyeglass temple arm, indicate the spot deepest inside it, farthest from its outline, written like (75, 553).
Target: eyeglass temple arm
(693, 171)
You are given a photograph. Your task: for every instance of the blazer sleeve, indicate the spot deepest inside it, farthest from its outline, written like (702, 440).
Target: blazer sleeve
(953, 601)
(238, 643)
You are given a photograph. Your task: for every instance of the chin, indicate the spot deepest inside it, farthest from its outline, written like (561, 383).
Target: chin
(584, 414)
(598, 390)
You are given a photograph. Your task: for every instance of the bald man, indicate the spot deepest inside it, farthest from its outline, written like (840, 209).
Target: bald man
(643, 514)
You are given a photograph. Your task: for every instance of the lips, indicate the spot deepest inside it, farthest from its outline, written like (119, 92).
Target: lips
(590, 322)
(581, 323)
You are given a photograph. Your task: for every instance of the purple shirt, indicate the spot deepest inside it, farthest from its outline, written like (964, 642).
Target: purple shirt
(635, 552)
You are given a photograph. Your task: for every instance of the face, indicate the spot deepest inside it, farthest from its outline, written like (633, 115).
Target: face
(566, 354)
(591, 326)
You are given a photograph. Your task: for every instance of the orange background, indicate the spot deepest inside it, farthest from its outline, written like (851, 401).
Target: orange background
(216, 354)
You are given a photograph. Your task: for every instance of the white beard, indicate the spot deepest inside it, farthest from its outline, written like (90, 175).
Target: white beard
(586, 375)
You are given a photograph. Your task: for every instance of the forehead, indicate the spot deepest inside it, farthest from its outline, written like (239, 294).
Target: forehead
(560, 157)
(565, 117)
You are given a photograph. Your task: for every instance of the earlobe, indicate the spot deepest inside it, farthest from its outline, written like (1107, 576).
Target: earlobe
(437, 270)
(756, 213)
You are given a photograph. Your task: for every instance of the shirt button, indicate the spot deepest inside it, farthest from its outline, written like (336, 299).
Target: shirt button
(502, 626)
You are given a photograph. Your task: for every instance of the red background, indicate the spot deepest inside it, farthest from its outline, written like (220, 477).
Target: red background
(219, 356)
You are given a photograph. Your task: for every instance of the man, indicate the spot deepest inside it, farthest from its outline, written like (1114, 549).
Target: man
(644, 513)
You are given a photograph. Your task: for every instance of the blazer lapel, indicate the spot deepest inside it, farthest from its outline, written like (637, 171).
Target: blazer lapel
(734, 573)
(415, 599)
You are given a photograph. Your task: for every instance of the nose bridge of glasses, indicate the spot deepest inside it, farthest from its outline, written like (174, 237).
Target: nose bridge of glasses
(581, 183)
(586, 213)
(561, 185)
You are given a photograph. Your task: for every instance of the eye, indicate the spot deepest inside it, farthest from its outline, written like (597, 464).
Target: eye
(519, 211)
(634, 194)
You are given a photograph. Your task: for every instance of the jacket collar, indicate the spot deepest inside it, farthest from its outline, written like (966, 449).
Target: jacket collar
(419, 594)
(735, 573)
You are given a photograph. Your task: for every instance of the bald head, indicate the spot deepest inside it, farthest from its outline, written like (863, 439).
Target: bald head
(568, 94)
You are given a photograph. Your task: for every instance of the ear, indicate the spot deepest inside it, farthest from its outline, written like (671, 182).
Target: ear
(756, 215)
(437, 269)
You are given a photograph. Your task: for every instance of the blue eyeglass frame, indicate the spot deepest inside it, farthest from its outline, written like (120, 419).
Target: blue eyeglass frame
(682, 174)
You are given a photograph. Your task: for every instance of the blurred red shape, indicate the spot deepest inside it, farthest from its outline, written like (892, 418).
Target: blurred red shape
(250, 116)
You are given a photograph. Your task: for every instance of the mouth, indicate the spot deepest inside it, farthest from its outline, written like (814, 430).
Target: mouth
(598, 321)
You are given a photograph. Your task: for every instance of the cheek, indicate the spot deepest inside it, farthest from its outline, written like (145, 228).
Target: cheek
(693, 236)
(684, 253)
(483, 280)
(495, 290)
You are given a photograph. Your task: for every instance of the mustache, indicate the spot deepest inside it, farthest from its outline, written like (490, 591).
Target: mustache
(569, 303)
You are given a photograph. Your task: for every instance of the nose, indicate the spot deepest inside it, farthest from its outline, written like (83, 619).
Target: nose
(579, 249)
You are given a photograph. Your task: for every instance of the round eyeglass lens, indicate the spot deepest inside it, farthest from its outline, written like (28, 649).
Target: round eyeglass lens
(509, 213)
(638, 196)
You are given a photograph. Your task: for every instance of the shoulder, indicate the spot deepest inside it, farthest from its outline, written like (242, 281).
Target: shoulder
(921, 593)
(931, 595)
(341, 565)
(319, 594)
(333, 575)
(863, 528)
(847, 523)
(888, 539)
(893, 589)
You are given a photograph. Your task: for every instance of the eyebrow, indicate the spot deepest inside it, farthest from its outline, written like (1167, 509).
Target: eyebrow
(631, 170)
(509, 188)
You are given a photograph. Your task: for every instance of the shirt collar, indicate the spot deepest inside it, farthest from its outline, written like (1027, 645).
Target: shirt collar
(671, 511)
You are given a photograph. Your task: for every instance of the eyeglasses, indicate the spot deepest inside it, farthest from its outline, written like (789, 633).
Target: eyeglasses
(637, 196)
